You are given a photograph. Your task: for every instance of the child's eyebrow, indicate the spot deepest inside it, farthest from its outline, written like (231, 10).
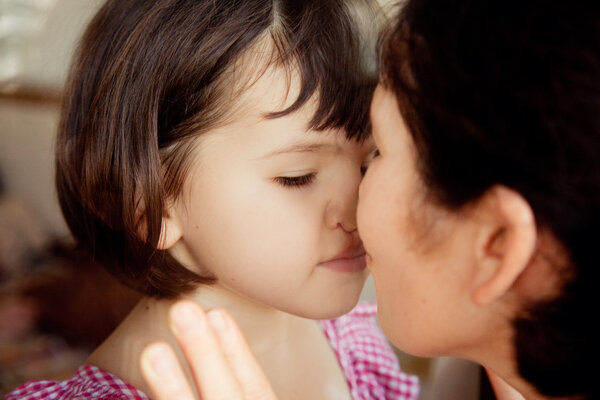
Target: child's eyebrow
(301, 148)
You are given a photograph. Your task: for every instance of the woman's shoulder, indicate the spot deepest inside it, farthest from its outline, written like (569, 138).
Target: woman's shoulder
(88, 382)
(370, 364)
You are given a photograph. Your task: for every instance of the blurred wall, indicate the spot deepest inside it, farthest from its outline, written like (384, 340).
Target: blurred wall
(26, 147)
(28, 123)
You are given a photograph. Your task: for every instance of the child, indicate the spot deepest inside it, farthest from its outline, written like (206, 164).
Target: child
(212, 151)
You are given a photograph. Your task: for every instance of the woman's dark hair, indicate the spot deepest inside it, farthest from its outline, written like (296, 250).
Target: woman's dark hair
(498, 92)
(151, 76)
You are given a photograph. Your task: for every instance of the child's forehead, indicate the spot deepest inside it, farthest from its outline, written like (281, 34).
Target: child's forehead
(271, 90)
(263, 83)
(275, 89)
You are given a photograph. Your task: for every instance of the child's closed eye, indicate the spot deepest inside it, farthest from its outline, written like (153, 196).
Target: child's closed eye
(296, 181)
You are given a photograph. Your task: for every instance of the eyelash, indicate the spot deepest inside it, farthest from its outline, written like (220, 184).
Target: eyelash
(374, 155)
(295, 181)
(304, 180)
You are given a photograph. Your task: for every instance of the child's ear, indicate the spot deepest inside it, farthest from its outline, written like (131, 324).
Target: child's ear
(170, 229)
(506, 242)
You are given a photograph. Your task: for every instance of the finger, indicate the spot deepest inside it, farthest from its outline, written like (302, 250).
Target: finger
(250, 375)
(213, 377)
(164, 374)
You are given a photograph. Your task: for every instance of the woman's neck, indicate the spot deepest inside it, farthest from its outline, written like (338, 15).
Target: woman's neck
(493, 348)
(508, 391)
(506, 381)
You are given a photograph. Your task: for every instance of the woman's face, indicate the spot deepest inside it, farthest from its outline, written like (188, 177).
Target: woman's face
(412, 246)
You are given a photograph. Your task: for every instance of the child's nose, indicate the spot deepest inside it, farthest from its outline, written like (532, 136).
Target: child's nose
(341, 210)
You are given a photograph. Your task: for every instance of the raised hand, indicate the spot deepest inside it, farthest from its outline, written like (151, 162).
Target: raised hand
(222, 364)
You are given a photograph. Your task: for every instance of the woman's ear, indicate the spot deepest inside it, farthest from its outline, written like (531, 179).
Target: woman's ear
(506, 242)
(170, 229)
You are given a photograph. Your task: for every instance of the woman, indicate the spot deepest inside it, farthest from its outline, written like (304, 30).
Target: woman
(480, 215)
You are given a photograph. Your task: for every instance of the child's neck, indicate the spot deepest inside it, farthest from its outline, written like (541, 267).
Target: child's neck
(278, 339)
(264, 327)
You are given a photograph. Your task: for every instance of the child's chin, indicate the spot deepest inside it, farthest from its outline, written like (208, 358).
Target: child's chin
(333, 309)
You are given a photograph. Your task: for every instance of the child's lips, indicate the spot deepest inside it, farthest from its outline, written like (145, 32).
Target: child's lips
(351, 260)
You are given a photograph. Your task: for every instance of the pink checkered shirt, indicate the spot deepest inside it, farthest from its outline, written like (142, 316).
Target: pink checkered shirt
(88, 382)
(371, 367)
(367, 360)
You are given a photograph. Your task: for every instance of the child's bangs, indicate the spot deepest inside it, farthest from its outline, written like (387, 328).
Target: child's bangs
(331, 50)
(327, 53)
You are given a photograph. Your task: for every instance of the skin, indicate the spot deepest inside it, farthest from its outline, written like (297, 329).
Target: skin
(284, 198)
(221, 356)
(448, 282)
(265, 206)
(409, 244)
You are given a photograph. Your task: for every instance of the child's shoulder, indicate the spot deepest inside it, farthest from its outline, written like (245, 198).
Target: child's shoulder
(88, 382)
(369, 363)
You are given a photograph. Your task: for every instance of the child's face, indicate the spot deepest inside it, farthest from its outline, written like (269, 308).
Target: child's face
(269, 208)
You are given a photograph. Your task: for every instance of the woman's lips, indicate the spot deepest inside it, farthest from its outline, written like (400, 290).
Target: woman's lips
(348, 261)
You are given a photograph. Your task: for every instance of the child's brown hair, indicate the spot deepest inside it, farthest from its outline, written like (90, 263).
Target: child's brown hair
(151, 76)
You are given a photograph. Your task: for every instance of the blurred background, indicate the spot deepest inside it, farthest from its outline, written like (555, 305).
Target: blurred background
(56, 304)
